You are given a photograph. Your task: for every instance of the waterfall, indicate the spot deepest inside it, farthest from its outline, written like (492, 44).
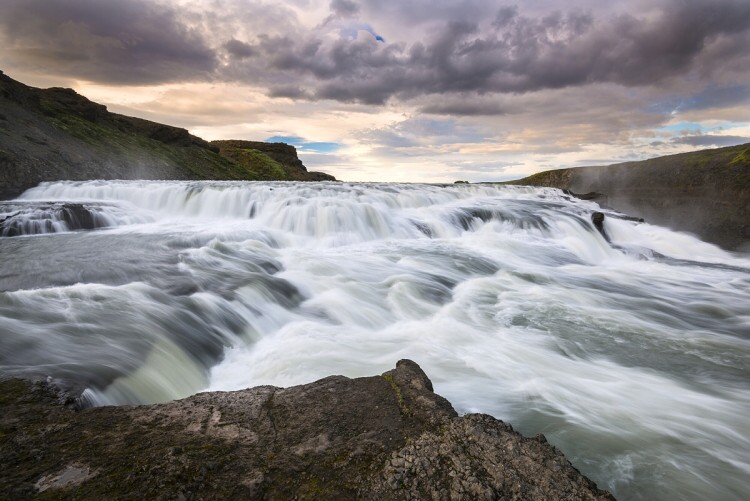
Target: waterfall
(630, 353)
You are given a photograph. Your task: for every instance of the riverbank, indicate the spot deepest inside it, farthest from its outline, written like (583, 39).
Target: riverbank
(705, 192)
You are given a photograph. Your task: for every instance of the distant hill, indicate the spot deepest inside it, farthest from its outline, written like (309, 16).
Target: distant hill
(56, 134)
(703, 192)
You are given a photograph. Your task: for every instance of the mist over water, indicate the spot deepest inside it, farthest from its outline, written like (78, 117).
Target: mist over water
(632, 356)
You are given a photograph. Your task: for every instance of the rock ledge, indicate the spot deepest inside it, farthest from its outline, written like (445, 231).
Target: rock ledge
(380, 437)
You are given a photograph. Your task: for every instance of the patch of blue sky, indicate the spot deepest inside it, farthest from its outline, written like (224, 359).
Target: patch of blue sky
(683, 126)
(306, 146)
(697, 128)
(710, 97)
(351, 30)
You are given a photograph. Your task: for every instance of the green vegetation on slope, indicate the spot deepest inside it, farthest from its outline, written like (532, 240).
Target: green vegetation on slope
(134, 147)
(257, 163)
(56, 134)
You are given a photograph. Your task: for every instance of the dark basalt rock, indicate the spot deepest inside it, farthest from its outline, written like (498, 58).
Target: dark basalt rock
(37, 219)
(591, 195)
(380, 437)
(77, 217)
(598, 219)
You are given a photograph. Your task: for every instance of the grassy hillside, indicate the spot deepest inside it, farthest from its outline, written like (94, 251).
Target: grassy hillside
(704, 192)
(56, 134)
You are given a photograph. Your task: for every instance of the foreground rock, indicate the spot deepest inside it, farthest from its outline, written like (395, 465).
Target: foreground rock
(704, 192)
(381, 437)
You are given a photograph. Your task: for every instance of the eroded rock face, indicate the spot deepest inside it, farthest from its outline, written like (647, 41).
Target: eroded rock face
(381, 437)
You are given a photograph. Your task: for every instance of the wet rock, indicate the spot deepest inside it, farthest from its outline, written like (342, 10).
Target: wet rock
(71, 475)
(380, 437)
(77, 217)
(598, 219)
(591, 195)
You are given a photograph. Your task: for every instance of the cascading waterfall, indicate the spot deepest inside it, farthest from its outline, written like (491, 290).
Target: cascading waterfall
(632, 356)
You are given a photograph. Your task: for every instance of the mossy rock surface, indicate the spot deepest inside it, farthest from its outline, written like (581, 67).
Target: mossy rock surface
(269, 159)
(380, 437)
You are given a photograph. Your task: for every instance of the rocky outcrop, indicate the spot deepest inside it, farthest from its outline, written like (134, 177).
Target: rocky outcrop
(56, 134)
(381, 437)
(704, 192)
(260, 157)
(34, 219)
(598, 219)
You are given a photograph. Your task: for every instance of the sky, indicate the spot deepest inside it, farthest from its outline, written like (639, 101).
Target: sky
(412, 91)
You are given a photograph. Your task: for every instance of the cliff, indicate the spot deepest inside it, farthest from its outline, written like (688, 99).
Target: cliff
(269, 160)
(381, 437)
(704, 192)
(57, 134)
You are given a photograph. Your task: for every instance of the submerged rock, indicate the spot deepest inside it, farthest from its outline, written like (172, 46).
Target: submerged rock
(381, 437)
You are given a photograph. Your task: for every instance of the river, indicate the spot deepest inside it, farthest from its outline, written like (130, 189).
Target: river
(631, 353)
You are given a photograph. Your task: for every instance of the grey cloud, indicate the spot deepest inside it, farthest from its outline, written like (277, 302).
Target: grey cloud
(417, 135)
(239, 49)
(710, 140)
(416, 12)
(459, 65)
(288, 91)
(505, 16)
(719, 97)
(468, 107)
(518, 54)
(123, 42)
(344, 8)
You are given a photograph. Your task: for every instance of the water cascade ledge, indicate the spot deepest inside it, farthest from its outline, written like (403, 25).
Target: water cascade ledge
(381, 437)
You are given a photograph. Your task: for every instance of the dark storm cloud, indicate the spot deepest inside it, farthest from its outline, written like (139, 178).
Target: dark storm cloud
(240, 50)
(515, 53)
(122, 42)
(709, 140)
(470, 50)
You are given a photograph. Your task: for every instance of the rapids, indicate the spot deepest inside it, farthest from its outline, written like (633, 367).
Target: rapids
(632, 356)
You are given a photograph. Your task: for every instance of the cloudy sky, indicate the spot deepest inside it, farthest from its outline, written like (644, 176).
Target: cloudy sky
(421, 90)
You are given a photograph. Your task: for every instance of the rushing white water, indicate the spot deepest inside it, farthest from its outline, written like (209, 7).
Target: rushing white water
(632, 356)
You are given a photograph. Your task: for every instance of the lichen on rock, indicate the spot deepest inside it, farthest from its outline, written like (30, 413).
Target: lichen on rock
(379, 437)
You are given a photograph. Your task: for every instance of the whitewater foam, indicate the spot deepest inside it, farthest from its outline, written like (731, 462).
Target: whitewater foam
(633, 356)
